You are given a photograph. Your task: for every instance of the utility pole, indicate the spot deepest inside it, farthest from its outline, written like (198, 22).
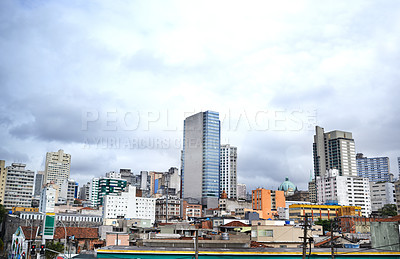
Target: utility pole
(334, 228)
(196, 244)
(305, 225)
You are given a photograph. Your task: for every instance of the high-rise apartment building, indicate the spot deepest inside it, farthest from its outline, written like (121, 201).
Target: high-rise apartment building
(201, 157)
(19, 186)
(39, 177)
(334, 150)
(3, 178)
(57, 167)
(94, 192)
(376, 169)
(241, 191)
(398, 165)
(333, 188)
(228, 169)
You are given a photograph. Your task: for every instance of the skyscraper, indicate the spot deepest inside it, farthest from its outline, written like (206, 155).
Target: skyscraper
(201, 157)
(376, 169)
(334, 150)
(57, 168)
(228, 175)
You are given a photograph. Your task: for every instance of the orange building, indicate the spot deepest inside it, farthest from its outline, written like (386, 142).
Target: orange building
(267, 202)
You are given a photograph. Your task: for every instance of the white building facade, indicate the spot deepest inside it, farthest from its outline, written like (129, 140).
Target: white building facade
(128, 206)
(57, 167)
(382, 193)
(18, 191)
(344, 190)
(47, 199)
(228, 170)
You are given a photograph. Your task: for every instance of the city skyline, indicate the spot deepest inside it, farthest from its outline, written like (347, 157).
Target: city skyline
(83, 76)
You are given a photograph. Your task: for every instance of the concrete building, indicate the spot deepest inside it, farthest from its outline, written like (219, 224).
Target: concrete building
(267, 202)
(57, 167)
(376, 169)
(113, 174)
(201, 158)
(241, 191)
(334, 150)
(333, 188)
(39, 183)
(108, 186)
(398, 165)
(228, 170)
(127, 205)
(84, 192)
(173, 208)
(3, 178)
(47, 199)
(127, 175)
(191, 210)
(18, 190)
(68, 191)
(312, 190)
(323, 212)
(94, 192)
(397, 195)
(279, 234)
(382, 193)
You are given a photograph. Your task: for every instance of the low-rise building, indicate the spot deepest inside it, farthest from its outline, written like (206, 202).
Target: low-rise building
(323, 212)
(191, 210)
(276, 233)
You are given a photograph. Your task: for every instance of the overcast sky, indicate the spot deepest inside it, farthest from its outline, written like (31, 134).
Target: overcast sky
(110, 82)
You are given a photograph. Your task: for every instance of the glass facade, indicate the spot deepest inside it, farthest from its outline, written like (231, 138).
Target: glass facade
(211, 154)
(201, 155)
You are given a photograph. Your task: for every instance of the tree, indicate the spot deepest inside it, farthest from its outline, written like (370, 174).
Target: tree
(56, 246)
(388, 210)
(326, 224)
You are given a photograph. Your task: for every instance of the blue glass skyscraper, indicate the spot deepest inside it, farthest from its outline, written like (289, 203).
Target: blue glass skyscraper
(201, 156)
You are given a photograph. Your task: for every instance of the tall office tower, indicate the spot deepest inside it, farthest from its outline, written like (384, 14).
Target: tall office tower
(19, 186)
(3, 177)
(334, 150)
(57, 168)
(376, 169)
(241, 191)
(38, 183)
(201, 158)
(228, 171)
